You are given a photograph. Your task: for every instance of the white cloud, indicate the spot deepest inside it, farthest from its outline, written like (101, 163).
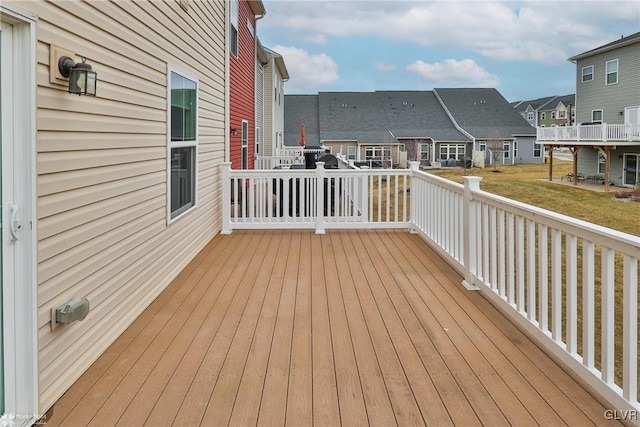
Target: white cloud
(546, 32)
(383, 66)
(452, 73)
(307, 71)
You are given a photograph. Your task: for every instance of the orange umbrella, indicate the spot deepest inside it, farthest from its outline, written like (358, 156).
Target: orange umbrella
(302, 141)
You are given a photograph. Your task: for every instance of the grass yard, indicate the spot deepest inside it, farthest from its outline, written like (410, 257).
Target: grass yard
(529, 184)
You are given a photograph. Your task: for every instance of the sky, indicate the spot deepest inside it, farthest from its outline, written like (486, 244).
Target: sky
(521, 48)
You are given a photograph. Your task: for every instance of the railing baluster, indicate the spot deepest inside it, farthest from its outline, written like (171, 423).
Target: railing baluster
(543, 277)
(556, 285)
(588, 304)
(531, 270)
(630, 329)
(608, 315)
(572, 294)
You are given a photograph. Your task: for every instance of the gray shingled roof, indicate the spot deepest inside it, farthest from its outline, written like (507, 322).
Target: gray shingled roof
(354, 116)
(565, 99)
(417, 114)
(301, 109)
(535, 103)
(633, 38)
(484, 112)
(368, 117)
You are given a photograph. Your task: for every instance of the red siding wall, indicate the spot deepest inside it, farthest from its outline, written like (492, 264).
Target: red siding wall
(242, 87)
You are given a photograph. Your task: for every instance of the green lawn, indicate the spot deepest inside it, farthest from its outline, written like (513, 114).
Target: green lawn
(528, 183)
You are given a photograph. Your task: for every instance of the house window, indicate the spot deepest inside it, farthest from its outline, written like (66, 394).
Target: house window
(483, 146)
(233, 36)
(530, 116)
(245, 144)
(537, 150)
(515, 149)
(543, 116)
(506, 148)
(601, 163)
(452, 151)
(612, 72)
(182, 144)
(562, 114)
(351, 153)
(587, 73)
(424, 151)
(596, 116)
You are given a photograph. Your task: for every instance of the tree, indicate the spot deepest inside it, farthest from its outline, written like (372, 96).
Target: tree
(495, 146)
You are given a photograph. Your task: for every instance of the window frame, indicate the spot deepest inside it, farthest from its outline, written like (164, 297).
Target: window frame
(537, 148)
(601, 160)
(607, 72)
(583, 80)
(350, 155)
(543, 116)
(593, 120)
(234, 16)
(244, 143)
(530, 116)
(171, 145)
(506, 150)
(425, 152)
(452, 147)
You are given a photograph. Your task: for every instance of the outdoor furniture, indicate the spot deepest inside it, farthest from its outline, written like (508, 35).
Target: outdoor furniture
(595, 179)
(569, 177)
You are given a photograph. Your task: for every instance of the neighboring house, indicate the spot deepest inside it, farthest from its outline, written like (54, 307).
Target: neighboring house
(242, 87)
(106, 198)
(529, 109)
(560, 111)
(606, 139)
(274, 75)
(439, 125)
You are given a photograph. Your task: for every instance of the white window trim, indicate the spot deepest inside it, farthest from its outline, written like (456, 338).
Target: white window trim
(179, 144)
(236, 26)
(244, 143)
(537, 147)
(352, 156)
(601, 114)
(606, 73)
(600, 161)
(506, 150)
(591, 73)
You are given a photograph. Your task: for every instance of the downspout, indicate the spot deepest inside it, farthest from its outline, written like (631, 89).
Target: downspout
(255, 73)
(227, 78)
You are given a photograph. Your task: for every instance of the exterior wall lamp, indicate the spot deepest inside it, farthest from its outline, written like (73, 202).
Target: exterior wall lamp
(82, 81)
(234, 131)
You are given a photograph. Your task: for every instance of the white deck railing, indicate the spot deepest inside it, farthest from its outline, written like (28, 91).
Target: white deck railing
(541, 268)
(590, 133)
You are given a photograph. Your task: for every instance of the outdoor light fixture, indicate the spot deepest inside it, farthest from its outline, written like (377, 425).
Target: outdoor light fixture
(82, 80)
(234, 131)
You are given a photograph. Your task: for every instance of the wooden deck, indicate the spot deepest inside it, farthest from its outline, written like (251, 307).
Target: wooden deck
(348, 328)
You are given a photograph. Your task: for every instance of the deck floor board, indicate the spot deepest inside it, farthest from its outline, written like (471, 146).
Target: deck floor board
(275, 328)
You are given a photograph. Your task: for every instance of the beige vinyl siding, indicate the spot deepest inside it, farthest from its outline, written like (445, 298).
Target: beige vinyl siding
(102, 167)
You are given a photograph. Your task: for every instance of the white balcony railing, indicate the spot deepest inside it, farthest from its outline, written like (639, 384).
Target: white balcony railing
(590, 133)
(541, 268)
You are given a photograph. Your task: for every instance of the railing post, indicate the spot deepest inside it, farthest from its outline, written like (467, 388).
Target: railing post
(469, 212)
(226, 198)
(320, 200)
(413, 167)
(604, 132)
